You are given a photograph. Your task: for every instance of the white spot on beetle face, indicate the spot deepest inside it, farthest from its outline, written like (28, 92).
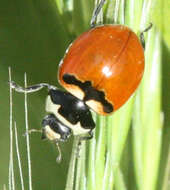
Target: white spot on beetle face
(50, 134)
(53, 108)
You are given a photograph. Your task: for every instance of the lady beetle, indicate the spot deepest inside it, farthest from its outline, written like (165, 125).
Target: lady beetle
(101, 70)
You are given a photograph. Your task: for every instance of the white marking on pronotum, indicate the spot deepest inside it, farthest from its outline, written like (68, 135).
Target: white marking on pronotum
(53, 108)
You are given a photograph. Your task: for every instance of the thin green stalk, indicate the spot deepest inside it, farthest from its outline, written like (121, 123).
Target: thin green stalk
(154, 135)
(81, 174)
(116, 11)
(83, 180)
(4, 187)
(79, 171)
(122, 12)
(19, 158)
(119, 181)
(72, 165)
(107, 172)
(110, 11)
(91, 161)
(27, 137)
(60, 6)
(100, 153)
(166, 184)
(147, 123)
(11, 178)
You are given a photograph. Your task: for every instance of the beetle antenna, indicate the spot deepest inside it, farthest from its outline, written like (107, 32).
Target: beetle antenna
(96, 12)
(142, 35)
(30, 89)
(59, 157)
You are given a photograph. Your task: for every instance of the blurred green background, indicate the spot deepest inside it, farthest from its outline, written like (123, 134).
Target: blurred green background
(33, 38)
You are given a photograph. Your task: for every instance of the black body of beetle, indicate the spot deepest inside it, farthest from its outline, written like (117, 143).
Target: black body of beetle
(67, 114)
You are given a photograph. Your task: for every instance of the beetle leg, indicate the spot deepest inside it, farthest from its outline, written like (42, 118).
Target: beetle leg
(90, 136)
(82, 139)
(142, 35)
(30, 89)
(85, 138)
(96, 13)
(32, 131)
(59, 157)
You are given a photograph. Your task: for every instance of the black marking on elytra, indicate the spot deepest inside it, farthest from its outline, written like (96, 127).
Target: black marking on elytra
(72, 109)
(90, 92)
(57, 126)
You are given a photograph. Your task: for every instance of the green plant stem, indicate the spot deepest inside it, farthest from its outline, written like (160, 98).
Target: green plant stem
(148, 123)
(72, 165)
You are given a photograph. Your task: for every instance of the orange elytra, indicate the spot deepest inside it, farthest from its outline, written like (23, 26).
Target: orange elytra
(103, 67)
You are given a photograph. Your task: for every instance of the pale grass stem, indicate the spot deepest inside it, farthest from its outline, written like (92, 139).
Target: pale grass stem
(19, 157)
(27, 136)
(11, 180)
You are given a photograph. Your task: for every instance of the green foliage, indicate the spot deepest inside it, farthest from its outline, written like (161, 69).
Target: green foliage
(131, 149)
